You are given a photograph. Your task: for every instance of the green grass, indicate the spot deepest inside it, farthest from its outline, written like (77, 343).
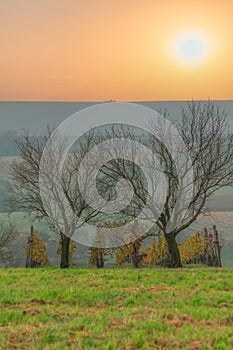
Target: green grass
(116, 309)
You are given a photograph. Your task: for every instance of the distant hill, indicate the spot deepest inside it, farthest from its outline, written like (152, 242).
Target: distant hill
(35, 116)
(221, 202)
(7, 143)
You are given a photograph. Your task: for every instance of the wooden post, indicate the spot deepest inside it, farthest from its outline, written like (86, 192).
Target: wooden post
(29, 257)
(217, 248)
(206, 233)
(206, 257)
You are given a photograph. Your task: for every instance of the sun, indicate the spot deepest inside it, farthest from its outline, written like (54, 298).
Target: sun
(191, 47)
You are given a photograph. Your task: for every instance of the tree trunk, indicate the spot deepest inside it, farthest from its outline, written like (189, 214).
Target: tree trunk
(65, 244)
(99, 259)
(174, 254)
(135, 255)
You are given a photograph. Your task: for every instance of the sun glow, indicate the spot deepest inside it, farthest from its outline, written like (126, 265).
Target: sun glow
(121, 50)
(191, 47)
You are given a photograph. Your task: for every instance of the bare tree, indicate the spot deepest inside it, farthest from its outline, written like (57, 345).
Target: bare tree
(59, 200)
(208, 143)
(123, 180)
(8, 233)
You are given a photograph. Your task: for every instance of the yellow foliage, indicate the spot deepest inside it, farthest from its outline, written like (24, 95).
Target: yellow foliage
(149, 255)
(125, 253)
(155, 253)
(192, 248)
(37, 250)
(97, 253)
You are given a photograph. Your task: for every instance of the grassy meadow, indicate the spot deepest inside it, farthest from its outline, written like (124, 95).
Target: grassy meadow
(120, 308)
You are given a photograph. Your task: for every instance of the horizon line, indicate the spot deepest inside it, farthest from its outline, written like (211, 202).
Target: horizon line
(110, 100)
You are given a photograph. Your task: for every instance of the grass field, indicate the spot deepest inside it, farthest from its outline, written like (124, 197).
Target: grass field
(116, 309)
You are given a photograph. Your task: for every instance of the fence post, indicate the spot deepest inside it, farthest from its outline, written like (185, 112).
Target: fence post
(217, 248)
(30, 242)
(206, 254)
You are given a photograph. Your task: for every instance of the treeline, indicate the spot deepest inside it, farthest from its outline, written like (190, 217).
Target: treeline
(201, 248)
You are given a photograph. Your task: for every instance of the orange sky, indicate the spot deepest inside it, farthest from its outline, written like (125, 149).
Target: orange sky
(94, 50)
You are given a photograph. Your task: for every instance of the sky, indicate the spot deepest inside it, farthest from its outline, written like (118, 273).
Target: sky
(125, 50)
